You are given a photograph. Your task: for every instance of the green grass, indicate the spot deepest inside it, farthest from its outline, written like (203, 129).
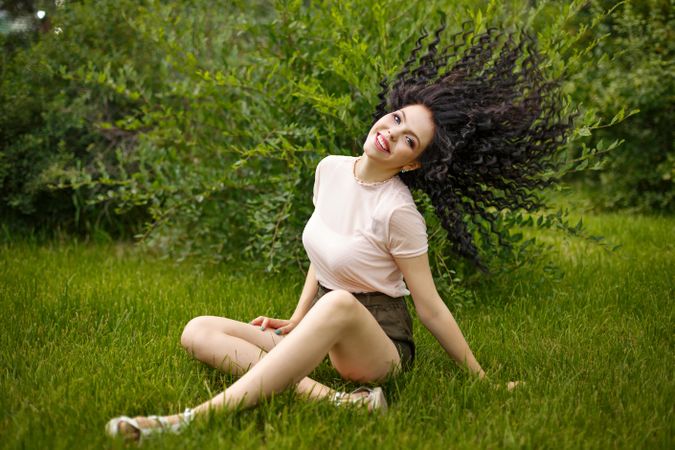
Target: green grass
(92, 332)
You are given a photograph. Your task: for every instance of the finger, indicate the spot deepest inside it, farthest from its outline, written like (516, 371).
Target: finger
(257, 321)
(511, 385)
(277, 323)
(281, 331)
(265, 322)
(285, 329)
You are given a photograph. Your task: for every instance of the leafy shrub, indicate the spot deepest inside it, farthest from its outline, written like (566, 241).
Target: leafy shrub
(205, 125)
(633, 70)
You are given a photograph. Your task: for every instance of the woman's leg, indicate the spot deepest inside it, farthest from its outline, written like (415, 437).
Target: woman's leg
(234, 347)
(337, 325)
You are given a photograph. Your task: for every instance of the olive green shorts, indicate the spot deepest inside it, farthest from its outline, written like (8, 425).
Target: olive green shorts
(392, 315)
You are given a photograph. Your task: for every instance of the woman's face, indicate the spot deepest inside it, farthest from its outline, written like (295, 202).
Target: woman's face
(400, 137)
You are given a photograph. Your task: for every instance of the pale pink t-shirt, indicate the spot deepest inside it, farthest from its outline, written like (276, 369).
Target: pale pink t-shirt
(357, 228)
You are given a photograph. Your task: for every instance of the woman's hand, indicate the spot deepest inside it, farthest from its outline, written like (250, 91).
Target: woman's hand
(280, 326)
(511, 385)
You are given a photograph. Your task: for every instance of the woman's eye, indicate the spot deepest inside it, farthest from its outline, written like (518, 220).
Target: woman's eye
(410, 142)
(397, 118)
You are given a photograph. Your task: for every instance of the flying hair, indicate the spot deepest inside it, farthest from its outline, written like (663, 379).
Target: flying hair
(498, 128)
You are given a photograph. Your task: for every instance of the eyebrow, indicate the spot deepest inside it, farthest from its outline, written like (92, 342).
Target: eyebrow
(413, 133)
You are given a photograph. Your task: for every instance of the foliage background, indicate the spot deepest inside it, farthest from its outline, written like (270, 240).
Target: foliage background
(196, 129)
(634, 69)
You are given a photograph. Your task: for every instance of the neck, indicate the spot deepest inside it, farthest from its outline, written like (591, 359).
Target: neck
(369, 172)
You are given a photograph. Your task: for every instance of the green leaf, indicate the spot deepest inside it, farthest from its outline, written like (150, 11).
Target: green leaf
(584, 131)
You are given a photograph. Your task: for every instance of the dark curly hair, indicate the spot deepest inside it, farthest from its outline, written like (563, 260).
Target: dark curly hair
(497, 129)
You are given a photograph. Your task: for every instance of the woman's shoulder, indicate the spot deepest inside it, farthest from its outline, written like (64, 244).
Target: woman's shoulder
(400, 194)
(397, 199)
(331, 163)
(336, 160)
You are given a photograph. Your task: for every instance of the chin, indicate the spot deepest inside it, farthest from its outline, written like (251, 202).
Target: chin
(370, 149)
(371, 152)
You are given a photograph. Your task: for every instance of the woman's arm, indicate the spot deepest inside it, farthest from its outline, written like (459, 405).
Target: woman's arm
(309, 291)
(282, 326)
(434, 314)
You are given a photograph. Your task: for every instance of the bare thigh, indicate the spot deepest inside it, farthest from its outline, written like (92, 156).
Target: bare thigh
(363, 352)
(266, 340)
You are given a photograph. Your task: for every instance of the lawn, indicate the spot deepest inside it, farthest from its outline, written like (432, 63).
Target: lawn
(92, 331)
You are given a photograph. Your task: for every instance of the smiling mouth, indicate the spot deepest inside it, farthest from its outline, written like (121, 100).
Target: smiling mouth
(381, 143)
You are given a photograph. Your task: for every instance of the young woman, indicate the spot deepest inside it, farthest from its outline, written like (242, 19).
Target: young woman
(475, 139)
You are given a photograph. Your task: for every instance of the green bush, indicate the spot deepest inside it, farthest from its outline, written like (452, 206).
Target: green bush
(50, 123)
(199, 128)
(634, 70)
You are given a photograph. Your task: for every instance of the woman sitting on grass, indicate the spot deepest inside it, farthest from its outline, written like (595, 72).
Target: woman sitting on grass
(475, 139)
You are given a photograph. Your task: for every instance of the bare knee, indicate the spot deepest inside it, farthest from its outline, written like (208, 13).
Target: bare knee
(340, 306)
(193, 331)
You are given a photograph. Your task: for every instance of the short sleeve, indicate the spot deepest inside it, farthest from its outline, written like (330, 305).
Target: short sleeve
(407, 233)
(315, 197)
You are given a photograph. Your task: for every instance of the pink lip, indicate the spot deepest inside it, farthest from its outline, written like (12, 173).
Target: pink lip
(377, 143)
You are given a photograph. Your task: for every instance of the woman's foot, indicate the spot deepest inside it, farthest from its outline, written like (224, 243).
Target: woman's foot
(138, 427)
(372, 398)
